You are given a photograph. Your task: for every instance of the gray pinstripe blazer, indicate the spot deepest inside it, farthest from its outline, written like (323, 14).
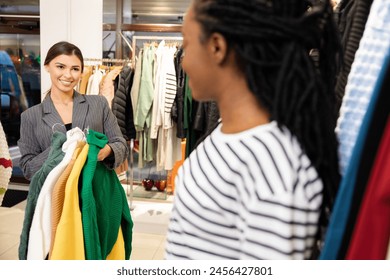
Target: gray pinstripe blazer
(37, 123)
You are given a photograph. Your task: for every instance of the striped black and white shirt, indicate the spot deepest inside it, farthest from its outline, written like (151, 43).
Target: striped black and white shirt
(249, 195)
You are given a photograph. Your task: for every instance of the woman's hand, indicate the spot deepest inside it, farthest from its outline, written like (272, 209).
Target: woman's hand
(104, 152)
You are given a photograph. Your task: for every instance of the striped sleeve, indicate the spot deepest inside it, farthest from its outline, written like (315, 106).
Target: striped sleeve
(170, 88)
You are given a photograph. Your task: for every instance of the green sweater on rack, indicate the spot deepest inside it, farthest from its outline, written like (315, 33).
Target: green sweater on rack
(104, 206)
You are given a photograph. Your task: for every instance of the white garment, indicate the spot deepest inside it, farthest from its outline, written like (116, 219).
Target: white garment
(170, 86)
(136, 82)
(94, 82)
(40, 231)
(169, 146)
(171, 143)
(168, 149)
(159, 87)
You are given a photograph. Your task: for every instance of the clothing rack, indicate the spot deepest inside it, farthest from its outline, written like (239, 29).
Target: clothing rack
(129, 171)
(108, 60)
(152, 38)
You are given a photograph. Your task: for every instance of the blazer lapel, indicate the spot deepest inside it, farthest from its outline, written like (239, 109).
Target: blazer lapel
(51, 116)
(80, 110)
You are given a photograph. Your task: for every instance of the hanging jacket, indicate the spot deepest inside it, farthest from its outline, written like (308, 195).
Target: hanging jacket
(369, 150)
(351, 18)
(206, 120)
(54, 158)
(134, 92)
(370, 238)
(370, 58)
(340, 218)
(104, 206)
(121, 105)
(178, 104)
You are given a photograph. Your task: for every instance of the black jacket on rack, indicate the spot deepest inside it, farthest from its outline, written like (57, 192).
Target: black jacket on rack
(351, 17)
(121, 104)
(178, 103)
(206, 119)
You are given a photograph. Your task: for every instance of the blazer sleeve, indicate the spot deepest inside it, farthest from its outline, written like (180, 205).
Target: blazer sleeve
(115, 139)
(32, 155)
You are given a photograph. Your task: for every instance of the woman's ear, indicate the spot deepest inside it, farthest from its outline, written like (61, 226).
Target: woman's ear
(46, 68)
(218, 48)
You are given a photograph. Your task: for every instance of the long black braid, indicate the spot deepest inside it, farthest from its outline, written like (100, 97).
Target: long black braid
(273, 40)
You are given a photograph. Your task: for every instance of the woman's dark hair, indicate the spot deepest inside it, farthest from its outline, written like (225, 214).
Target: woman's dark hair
(65, 48)
(273, 41)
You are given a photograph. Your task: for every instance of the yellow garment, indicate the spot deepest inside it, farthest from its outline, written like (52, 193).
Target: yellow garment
(58, 195)
(84, 79)
(69, 238)
(118, 251)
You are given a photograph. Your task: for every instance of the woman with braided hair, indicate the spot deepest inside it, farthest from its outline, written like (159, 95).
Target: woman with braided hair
(261, 185)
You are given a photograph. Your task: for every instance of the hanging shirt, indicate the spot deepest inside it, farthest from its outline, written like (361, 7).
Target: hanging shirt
(351, 187)
(94, 82)
(170, 143)
(136, 82)
(369, 60)
(371, 236)
(143, 115)
(158, 93)
(145, 97)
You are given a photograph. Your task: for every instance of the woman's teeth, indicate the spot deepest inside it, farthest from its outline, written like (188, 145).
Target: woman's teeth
(65, 83)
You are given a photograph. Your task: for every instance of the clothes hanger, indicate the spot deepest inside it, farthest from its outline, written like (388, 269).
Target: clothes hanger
(54, 126)
(77, 130)
(86, 130)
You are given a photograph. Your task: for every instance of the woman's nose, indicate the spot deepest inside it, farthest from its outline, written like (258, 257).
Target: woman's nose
(66, 73)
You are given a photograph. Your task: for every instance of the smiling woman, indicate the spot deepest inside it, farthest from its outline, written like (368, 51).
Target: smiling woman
(44, 129)
(65, 106)
(65, 72)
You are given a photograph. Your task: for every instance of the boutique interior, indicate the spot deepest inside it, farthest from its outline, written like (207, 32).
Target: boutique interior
(126, 28)
(121, 35)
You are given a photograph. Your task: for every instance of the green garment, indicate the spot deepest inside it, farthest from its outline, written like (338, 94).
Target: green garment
(104, 206)
(143, 115)
(55, 157)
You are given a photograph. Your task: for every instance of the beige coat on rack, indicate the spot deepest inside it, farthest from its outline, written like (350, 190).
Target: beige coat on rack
(107, 88)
